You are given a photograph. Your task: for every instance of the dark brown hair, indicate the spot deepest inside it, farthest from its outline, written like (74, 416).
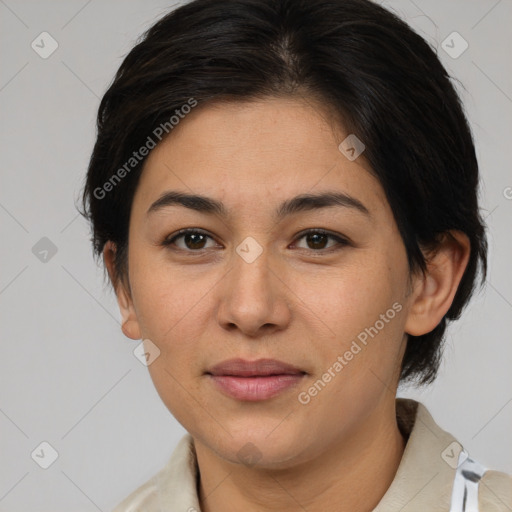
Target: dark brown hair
(362, 61)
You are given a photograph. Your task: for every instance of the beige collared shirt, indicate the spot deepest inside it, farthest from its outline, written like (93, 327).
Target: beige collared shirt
(423, 482)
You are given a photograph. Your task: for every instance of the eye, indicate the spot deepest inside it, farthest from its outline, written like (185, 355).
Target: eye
(317, 239)
(194, 240)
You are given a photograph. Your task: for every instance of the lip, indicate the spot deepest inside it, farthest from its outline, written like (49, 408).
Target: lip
(254, 380)
(258, 368)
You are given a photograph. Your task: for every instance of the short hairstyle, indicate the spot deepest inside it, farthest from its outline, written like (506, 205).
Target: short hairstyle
(355, 57)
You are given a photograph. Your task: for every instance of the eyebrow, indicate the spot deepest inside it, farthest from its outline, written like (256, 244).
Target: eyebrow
(300, 203)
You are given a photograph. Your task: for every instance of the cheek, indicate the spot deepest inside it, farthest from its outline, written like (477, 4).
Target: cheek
(358, 360)
(360, 317)
(352, 298)
(172, 314)
(169, 301)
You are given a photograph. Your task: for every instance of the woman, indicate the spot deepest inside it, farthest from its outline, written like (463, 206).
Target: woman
(284, 193)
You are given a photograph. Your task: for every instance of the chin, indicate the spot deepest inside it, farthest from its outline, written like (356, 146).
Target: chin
(259, 446)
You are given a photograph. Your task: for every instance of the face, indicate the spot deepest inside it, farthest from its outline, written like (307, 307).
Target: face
(322, 287)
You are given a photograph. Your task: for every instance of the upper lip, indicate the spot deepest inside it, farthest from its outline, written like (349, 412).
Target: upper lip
(261, 367)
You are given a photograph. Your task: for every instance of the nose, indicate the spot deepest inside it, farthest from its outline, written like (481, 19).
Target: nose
(254, 297)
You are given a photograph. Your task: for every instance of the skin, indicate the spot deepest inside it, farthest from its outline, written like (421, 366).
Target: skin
(298, 302)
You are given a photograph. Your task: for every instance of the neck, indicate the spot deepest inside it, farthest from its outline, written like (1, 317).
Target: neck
(354, 475)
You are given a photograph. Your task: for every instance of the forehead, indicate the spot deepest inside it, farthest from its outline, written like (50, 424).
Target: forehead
(254, 153)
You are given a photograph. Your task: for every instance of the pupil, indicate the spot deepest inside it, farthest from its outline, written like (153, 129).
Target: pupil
(192, 236)
(315, 241)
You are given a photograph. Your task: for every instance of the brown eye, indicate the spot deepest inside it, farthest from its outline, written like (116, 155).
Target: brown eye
(193, 240)
(317, 240)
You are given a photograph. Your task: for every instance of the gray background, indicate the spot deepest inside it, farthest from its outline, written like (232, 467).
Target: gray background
(68, 374)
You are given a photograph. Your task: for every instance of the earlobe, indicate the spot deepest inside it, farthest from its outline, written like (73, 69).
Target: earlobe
(435, 289)
(129, 322)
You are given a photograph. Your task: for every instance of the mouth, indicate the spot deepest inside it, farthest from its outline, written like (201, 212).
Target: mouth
(254, 380)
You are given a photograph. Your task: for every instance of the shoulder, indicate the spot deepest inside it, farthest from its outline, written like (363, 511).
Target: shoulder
(172, 488)
(143, 498)
(437, 473)
(495, 492)
(494, 488)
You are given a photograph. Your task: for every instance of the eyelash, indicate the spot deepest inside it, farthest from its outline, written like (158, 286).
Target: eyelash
(341, 240)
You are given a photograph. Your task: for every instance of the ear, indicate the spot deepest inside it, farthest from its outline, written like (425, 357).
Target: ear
(129, 324)
(434, 291)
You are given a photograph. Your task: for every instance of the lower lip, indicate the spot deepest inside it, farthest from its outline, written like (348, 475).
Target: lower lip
(255, 388)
